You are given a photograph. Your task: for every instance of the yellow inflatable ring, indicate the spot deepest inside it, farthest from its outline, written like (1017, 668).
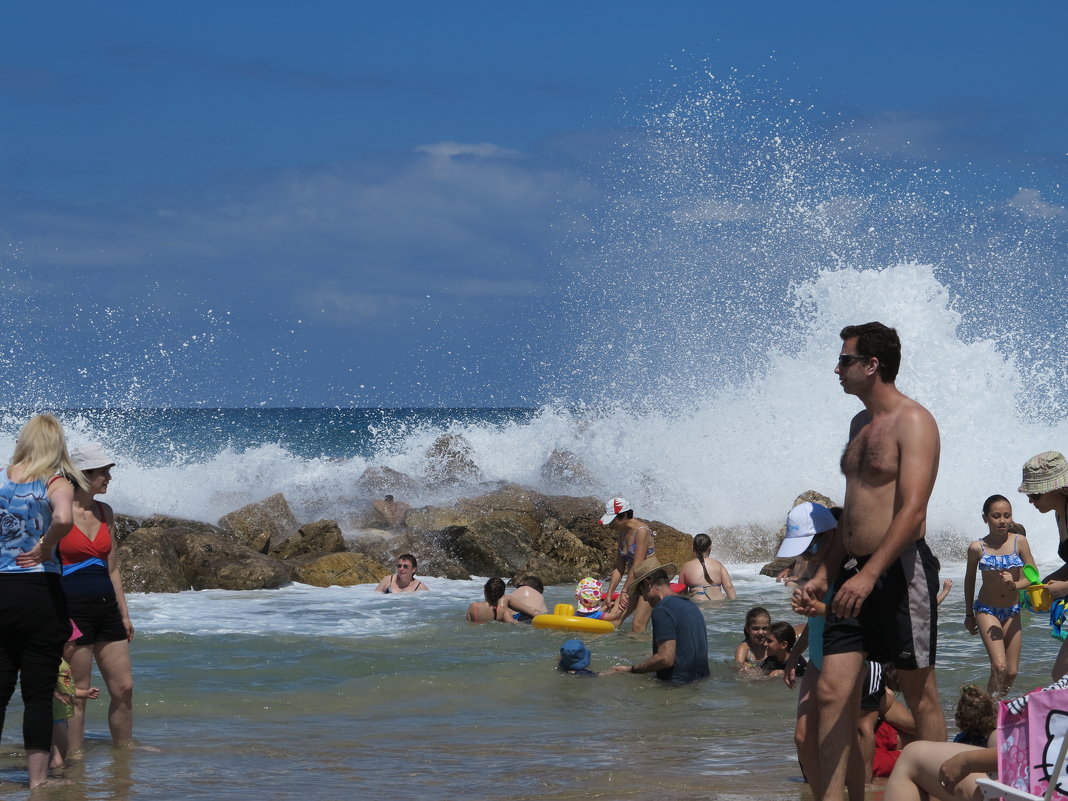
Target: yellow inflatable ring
(563, 617)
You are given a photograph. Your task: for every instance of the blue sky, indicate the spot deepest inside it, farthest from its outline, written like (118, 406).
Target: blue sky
(402, 204)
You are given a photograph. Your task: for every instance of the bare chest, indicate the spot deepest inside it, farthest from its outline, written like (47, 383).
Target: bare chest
(872, 455)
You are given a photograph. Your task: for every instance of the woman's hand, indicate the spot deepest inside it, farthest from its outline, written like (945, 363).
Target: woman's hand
(126, 624)
(36, 555)
(971, 624)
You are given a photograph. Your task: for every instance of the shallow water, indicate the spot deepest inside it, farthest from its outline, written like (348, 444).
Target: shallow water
(338, 692)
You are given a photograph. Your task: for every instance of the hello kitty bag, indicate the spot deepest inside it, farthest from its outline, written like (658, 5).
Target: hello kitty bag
(1031, 740)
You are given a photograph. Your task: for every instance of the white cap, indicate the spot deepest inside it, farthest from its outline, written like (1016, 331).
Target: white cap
(804, 522)
(616, 506)
(90, 456)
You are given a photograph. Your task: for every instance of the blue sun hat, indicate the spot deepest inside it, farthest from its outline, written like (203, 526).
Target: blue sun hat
(574, 655)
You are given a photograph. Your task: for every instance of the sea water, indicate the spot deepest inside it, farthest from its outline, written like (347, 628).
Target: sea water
(715, 409)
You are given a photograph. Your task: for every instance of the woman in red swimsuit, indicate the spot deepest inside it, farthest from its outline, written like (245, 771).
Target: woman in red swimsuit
(96, 600)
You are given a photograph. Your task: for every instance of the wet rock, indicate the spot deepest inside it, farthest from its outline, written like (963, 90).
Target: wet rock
(176, 558)
(386, 481)
(127, 524)
(565, 468)
(338, 569)
(148, 562)
(450, 462)
(323, 536)
(258, 525)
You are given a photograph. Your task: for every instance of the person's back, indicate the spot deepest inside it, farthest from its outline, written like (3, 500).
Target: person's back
(679, 619)
(527, 601)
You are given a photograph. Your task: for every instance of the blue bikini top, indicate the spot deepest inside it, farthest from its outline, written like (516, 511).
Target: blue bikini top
(1004, 561)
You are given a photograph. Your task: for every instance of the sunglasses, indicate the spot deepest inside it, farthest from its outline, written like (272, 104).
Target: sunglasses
(846, 358)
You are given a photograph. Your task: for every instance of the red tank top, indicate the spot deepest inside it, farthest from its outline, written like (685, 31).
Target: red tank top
(76, 547)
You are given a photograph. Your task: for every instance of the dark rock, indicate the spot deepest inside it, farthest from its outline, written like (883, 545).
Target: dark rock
(148, 562)
(323, 536)
(126, 525)
(211, 562)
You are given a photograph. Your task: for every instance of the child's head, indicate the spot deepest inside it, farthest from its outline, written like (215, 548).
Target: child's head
(588, 595)
(781, 638)
(533, 582)
(977, 713)
(757, 623)
(574, 655)
(493, 590)
(997, 514)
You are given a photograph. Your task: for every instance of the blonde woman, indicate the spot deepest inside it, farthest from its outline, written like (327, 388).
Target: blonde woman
(36, 512)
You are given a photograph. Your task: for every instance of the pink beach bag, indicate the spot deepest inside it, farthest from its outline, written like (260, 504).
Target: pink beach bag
(1029, 743)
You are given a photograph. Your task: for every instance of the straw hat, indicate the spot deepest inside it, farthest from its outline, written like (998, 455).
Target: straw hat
(649, 568)
(1045, 473)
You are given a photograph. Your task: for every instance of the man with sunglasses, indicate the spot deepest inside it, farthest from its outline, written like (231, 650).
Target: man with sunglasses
(884, 575)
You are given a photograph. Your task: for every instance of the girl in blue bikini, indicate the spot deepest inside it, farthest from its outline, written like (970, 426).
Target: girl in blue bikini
(999, 557)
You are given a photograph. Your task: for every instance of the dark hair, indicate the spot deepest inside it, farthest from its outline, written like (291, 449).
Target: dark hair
(410, 558)
(627, 515)
(977, 712)
(493, 590)
(532, 581)
(751, 615)
(702, 543)
(389, 499)
(875, 340)
(783, 632)
(992, 500)
(1017, 528)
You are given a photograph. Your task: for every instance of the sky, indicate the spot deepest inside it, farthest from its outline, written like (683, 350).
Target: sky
(412, 204)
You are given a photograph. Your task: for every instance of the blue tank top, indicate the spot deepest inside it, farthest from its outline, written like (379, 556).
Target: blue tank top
(25, 515)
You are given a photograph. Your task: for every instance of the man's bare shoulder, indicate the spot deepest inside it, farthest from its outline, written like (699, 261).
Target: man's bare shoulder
(913, 415)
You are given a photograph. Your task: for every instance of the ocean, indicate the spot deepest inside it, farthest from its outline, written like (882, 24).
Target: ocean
(740, 252)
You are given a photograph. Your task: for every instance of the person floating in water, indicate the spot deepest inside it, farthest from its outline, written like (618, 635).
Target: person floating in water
(404, 579)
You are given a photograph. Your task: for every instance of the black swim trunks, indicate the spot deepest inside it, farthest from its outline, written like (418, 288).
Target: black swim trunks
(898, 621)
(873, 690)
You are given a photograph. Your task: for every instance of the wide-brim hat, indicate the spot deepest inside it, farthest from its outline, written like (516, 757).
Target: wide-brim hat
(804, 522)
(1045, 473)
(574, 655)
(649, 568)
(90, 456)
(612, 508)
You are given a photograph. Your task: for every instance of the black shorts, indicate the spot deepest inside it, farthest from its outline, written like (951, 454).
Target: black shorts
(873, 690)
(898, 621)
(98, 619)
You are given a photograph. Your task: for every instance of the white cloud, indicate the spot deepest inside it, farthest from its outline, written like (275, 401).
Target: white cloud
(484, 149)
(1029, 202)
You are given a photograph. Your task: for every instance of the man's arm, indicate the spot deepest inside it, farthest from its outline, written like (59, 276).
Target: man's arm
(918, 451)
(663, 658)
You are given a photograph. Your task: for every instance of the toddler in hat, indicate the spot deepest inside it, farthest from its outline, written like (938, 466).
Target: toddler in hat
(575, 659)
(590, 601)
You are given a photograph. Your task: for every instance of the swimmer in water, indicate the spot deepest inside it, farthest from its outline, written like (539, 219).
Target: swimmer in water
(491, 609)
(753, 650)
(404, 579)
(706, 579)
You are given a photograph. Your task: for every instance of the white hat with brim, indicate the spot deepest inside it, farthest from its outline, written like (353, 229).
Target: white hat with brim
(650, 568)
(804, 522)
(613, 509)
(90, 456)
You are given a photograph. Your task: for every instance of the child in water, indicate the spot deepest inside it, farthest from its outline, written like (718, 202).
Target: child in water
(590, 601)
(575, 659)
(753, 650)
(63, 706)
(781, 638)
(490, 609)
(999, 557)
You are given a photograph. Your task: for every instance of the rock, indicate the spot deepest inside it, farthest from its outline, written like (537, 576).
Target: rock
(565, 468)
(258, 525)
(148, 562)
(126, 525)
(176, 558)
(385, 481)
(312, 538)
(435, 518)
(450, 462)
(560, 557)
(210, 562)
(339, 569)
